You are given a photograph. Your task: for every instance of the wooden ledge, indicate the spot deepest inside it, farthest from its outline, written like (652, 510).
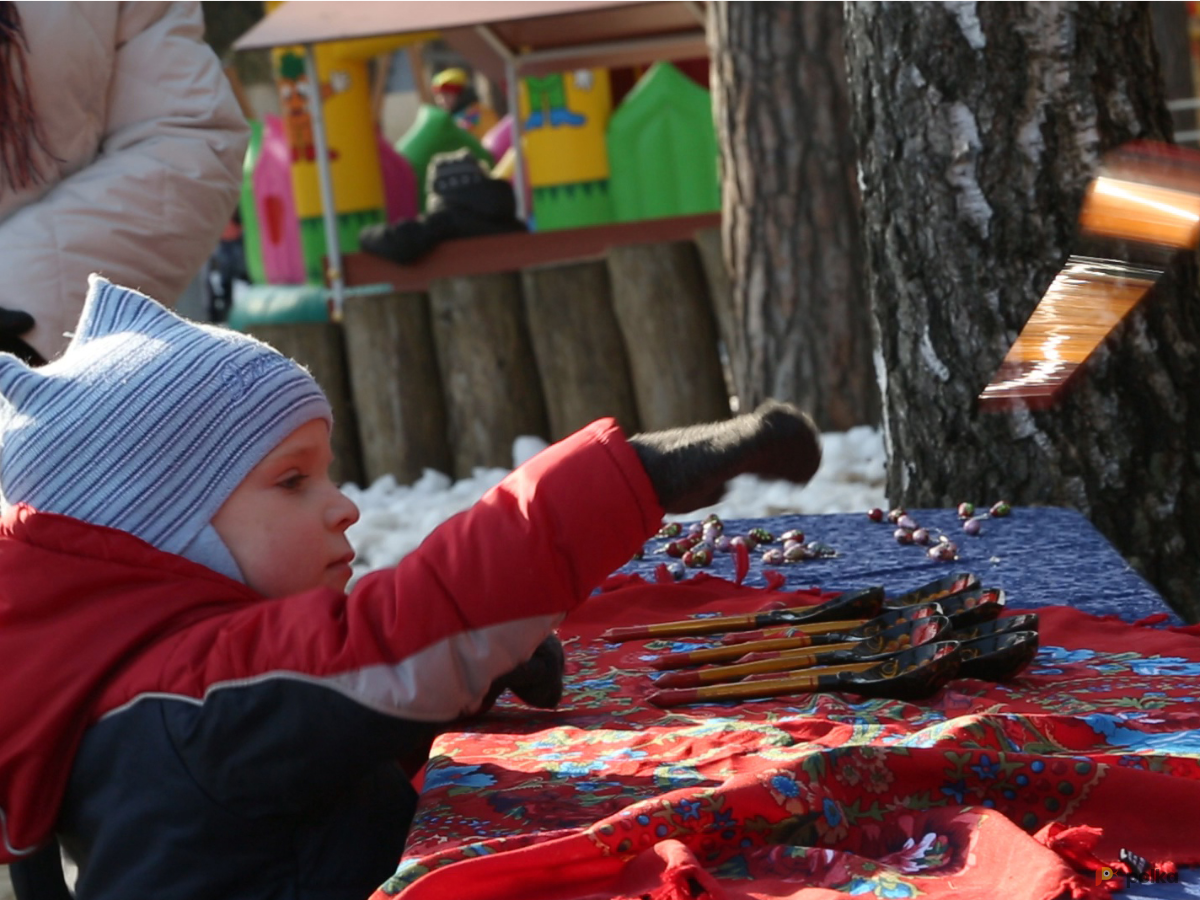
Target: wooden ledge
(513, 252)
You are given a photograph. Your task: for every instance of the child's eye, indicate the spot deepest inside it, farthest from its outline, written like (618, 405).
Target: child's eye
(293, 482)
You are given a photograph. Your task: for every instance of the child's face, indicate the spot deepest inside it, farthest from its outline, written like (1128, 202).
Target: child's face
(285, 524)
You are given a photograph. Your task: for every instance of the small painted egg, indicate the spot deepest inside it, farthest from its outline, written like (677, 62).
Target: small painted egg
(762, 535)
(796, 552)
(681, 546)
(966, 510)
(875, 514)
(999, 510)
(670, 530)
(894, 515)
(972, 526)
(920, 536)
(903, 536)
(907, 521)
(794, 534)
(943, 552)
(773, 556)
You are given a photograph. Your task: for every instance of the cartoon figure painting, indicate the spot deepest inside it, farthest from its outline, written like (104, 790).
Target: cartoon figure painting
(293, 97)
(354, 166)
(548, 101)
(453, 92)
(564, 117)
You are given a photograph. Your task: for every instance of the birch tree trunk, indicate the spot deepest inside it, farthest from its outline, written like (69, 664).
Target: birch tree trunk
(790, 204)
(978, 127)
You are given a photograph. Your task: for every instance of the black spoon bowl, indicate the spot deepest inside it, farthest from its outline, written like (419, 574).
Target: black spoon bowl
(1023, 622)
(998, 657)
(974, 606)
(934, 590)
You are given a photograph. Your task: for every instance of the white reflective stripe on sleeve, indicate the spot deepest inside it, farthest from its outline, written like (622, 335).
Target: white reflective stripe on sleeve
(449, 678)
(13, 851)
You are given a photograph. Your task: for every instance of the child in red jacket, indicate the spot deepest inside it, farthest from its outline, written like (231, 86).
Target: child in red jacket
(195, 707)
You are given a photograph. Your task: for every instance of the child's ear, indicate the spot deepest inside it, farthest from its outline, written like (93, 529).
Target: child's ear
(16, 381)
(110, 309)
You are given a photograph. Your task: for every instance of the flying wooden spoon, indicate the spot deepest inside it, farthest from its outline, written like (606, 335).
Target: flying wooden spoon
(1147, 197)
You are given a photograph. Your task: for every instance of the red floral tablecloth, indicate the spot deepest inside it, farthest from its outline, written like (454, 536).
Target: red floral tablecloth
(984, 790)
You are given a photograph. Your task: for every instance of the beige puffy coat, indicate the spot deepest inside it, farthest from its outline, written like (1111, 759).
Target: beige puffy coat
(148, 141)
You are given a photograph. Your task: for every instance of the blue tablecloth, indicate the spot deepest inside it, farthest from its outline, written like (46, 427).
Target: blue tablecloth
(1040, 556)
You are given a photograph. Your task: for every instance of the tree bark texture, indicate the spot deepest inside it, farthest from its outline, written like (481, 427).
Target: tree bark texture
(397, 386)
(661, 303)
(1173, 41)
(720, 293)
(790, 204)
(979, 126)
(580, 354)
(490, 379)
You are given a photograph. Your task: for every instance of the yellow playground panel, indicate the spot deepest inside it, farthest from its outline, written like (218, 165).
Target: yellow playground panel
(564, 117)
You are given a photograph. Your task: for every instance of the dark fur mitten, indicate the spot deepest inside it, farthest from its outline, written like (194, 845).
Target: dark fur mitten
(538, 681)
(689, 466)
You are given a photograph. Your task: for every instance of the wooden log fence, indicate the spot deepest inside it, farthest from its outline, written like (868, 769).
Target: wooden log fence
(661, 302)
(580, 352)
(397, 386)
(490, 379)
(447, 377)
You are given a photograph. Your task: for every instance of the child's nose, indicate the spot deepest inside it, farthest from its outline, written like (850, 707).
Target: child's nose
(343, 512)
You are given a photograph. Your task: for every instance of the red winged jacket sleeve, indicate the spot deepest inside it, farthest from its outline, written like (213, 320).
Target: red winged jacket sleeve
(425, 639)
(265, 705)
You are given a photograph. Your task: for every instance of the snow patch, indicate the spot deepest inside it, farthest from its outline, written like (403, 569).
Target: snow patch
(396, 518)
(964, 150)
(527, 447)
(1029, 139)
(968, 23)
(881, 380)
(932, 360)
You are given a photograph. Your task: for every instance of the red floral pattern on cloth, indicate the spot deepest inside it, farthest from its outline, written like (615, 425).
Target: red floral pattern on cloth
(1095, 748)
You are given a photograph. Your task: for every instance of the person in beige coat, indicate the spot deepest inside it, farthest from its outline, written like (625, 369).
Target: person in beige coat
(127, 161)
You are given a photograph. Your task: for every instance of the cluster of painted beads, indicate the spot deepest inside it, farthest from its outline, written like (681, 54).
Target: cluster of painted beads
(942, 549)
(696, 546)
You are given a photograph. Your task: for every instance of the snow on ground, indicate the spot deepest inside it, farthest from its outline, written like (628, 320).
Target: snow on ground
(396, 518)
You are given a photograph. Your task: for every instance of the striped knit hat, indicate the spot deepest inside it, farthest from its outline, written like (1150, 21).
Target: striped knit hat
(147, 422)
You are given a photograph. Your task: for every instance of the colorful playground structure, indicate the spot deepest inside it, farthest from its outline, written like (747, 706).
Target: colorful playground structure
(585, 162)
